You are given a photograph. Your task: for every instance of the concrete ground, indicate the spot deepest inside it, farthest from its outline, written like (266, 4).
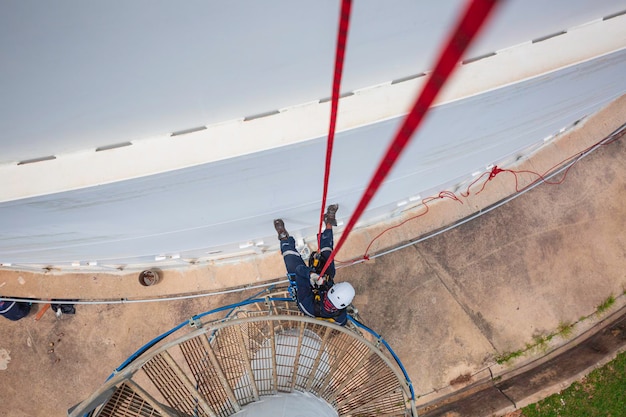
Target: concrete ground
(450, 306)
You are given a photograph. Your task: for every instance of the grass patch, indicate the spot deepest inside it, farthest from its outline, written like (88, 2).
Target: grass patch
(606, 304)
(601, 393)
(541, 342)
(505, 357)
(565, 330)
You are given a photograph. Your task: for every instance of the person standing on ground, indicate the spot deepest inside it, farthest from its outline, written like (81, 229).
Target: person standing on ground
(332, 302)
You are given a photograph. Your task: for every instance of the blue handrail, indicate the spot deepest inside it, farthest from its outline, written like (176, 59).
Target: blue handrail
(157, 339)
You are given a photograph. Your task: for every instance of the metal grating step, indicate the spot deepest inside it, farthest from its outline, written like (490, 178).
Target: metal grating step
(371, 388)
(232, 355)
(209, 376)
(175, 386)
(125, 402)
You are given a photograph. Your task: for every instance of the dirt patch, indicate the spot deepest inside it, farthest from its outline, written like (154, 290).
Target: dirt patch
(461, 379)
(5, 358)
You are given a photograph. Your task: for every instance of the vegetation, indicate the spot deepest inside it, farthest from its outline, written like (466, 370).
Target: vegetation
(601, 393)
(564, 330)
(507, 356)
(606, 304)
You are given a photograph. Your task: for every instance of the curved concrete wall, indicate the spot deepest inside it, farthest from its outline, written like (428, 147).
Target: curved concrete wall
(227, 206)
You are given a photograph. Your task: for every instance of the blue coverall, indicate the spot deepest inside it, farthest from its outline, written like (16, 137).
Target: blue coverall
(14, 310)
(295, 266)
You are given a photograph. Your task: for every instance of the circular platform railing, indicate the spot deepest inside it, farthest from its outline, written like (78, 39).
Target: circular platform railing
(262, 348)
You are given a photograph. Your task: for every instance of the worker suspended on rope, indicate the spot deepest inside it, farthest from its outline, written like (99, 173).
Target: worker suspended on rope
(317, 296)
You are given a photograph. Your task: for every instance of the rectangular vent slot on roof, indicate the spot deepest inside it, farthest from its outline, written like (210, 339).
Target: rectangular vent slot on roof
(32, 161)
(545, 38)
(410, 77)
(611, 16)
(344, 95)
(477, 58)
(114, 146)
(260, 115)
(186, 131)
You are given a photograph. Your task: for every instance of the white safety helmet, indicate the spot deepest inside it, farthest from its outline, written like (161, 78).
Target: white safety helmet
(341, 294)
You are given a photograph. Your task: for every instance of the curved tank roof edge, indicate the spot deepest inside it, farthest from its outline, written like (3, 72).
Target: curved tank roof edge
(151, 156)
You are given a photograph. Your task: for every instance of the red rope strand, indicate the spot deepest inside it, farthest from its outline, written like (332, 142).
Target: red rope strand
(342, 38)
(572, 160)
(443, 194)
(467, 28)
(542, 177)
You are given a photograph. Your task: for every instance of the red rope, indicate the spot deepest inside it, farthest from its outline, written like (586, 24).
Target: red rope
(466, 29)
(443, 194)
(342, 38)
(542, 177)
(492, 174)
(572, 160)
(539, 177)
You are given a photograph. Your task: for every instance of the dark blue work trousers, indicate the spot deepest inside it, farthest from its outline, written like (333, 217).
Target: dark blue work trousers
(296, 267)
(14, 310)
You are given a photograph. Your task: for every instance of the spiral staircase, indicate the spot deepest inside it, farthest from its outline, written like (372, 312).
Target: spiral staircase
(261, 349)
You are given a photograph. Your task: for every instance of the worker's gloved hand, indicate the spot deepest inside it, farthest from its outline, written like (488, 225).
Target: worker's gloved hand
(316, 279)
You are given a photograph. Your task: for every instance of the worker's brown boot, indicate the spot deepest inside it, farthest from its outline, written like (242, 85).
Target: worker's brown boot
(329, 217)
(279, 225)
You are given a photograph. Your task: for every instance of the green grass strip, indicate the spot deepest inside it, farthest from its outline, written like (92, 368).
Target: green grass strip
(602, 393)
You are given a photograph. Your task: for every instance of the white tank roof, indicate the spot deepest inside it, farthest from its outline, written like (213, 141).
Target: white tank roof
(150, 113)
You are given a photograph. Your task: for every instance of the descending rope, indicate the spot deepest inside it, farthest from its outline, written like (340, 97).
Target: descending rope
(466, 29)
(342, 38)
